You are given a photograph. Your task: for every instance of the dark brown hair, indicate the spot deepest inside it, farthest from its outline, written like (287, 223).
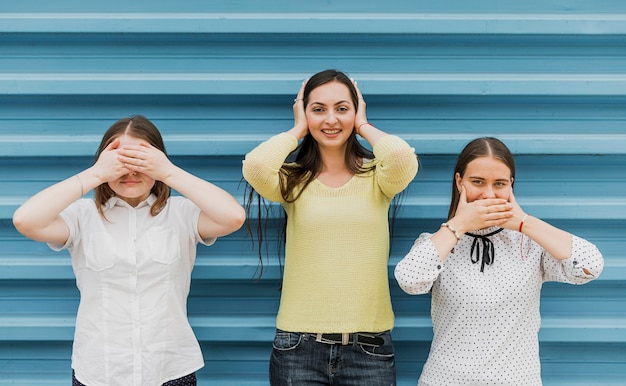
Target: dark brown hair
(139, 127)
(479, 147)
(305, 163)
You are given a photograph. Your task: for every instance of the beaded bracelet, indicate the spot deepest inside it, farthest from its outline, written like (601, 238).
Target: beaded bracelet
(456, 233)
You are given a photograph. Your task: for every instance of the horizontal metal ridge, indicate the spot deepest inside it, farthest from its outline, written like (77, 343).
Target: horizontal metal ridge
(238, 144)
(51, 268)
(260, 328)
(318, 23)
(468, 84)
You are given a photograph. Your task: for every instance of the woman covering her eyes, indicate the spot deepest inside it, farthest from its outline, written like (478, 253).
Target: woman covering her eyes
(485, 267)
(133, 248)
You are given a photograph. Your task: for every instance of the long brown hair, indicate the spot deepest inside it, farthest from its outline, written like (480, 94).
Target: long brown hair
(479, 147)
(304, 163)
(302, 167)
(140, 127)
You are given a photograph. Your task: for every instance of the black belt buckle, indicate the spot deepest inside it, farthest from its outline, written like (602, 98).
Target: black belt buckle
(369, 339)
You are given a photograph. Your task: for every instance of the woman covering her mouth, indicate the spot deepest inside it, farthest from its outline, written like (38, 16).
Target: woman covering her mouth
(485, 267)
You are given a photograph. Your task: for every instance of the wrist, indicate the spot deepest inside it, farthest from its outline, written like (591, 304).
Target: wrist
(169, 175)
(521, 224)
(298, 132)
(360, 125)
(452, 229)
(89, 179)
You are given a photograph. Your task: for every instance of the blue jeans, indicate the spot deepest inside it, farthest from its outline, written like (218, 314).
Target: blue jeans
(298, 360)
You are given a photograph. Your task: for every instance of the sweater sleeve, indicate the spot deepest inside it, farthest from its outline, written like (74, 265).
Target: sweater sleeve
(419, 269)
(585, 264)
(261, 166)
(396, 164)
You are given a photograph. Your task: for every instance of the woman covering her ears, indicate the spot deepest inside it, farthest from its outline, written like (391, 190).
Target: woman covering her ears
(335, 316)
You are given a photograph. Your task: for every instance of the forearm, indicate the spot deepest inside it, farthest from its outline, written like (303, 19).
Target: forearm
(557, 242)
(221, 214)
(445, 239)
(396, 164)
(419, 269)
(273, 152)
(370, 133)
(261, 166)
(38, 218)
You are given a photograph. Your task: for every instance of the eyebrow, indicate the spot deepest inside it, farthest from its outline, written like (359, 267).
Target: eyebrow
(481, 178)
(323, 104)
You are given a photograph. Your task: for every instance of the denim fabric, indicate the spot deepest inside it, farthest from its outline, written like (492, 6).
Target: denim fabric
(298, 360)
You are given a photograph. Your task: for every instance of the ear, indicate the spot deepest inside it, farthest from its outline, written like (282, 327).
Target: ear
(457, 179)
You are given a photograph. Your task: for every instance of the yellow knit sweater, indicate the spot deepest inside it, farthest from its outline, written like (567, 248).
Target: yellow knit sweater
(337, 242)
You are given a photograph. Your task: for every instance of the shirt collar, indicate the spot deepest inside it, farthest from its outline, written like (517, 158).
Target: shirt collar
(484, 231)
(116, 201)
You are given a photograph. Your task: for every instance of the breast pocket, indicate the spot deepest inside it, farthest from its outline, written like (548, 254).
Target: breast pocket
(163, 245)
(100, 253)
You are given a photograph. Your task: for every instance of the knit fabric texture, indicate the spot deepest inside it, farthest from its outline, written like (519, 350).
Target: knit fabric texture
(337, 241)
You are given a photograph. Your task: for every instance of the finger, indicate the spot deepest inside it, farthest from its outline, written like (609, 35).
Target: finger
(491, 202)
(131, 159)
(300, 95)
(358, 91)
(137, 149)
(113, 145)
(463, 195)
(512, 198)
(356, 87)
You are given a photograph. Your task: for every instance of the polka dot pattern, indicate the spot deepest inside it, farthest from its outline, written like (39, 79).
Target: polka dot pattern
(486, 324)
(188, 380)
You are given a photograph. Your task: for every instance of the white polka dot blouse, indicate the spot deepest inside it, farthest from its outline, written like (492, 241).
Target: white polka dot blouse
(485, 304)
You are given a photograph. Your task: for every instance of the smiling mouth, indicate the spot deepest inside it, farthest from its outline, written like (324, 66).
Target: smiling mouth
(331, 131)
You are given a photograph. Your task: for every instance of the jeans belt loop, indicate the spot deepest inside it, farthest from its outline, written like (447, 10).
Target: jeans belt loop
(345, 338)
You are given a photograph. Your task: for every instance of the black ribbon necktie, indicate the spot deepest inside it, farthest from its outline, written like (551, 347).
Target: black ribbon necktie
(487, 255)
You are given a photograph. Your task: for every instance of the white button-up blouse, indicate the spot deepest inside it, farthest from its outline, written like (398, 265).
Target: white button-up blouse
(133, 271)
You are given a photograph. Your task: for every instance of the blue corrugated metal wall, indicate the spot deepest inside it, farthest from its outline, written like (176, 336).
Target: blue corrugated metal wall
(548, 77)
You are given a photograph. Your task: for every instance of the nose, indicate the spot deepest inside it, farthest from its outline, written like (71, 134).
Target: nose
(331, 117)
(488, 192)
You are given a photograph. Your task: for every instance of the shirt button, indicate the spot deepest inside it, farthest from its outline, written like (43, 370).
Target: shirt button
(438, 266)
(575, 262)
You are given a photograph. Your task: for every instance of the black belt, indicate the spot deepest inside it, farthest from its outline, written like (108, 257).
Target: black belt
(362, 338)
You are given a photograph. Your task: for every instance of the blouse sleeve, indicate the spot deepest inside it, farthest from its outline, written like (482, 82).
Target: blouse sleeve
(262, 165)
(396, 164)
(72, 215)
(419, 269)
(585, 264)
(189, 213)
